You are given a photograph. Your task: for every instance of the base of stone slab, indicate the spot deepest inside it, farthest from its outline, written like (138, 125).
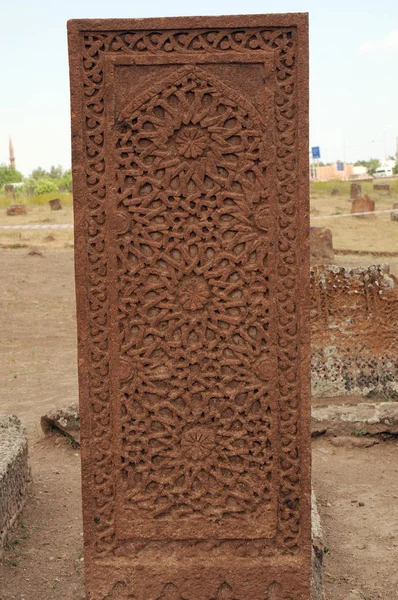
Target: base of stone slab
(317, 589)
(359, 419)
(15, 475)
(65, 420)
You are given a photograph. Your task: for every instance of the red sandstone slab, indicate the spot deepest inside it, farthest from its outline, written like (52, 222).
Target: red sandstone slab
(190, 166)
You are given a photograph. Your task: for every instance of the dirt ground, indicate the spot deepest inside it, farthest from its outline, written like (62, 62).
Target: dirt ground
(357, 487)
(355, 233)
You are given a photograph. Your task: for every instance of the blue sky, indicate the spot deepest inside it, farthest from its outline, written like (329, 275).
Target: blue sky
(354, 65)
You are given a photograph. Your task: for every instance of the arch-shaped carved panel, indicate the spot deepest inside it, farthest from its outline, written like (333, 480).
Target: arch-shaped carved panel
(195, 318)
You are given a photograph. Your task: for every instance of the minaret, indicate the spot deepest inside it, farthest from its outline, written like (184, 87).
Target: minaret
(12, 156)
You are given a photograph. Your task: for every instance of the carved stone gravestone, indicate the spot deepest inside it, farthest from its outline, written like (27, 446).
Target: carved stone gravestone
(190, 165)
(355, 190)
(363, 204)
(55, 204)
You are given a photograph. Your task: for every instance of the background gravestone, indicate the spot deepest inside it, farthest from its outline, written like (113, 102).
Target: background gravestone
(321, 245)
(190, 165)
(355, 190)
(55, 204)
(363, 204)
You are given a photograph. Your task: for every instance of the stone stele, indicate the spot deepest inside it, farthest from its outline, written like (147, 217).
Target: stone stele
(190, 168)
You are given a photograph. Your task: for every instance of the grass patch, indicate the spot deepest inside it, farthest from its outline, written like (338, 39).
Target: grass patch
(325, 187)
(42, 200)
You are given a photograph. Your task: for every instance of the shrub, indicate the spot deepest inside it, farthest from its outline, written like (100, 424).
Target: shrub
(45, 186)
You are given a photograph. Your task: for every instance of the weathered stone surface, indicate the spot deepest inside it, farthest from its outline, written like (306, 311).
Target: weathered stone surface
(354, 324)
(15, 474)
(317, 587)
(321, 245)
(35, 252)
(190, 165)
(363, 204)
(355, 190)
(55, 204)
(360, 419)
(394, 215)
(16, 209)
(64, 419)
(9, 190)
(382, 187)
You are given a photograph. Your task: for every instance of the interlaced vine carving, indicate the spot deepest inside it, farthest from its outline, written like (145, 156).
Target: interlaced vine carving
(194, 303)
(192, 288)
(123, 591)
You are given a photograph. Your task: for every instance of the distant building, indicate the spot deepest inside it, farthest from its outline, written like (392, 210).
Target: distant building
(12, 155)
(341, 171)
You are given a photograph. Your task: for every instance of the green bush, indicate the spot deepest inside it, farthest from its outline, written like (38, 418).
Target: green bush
(45, 186)
(9, 175)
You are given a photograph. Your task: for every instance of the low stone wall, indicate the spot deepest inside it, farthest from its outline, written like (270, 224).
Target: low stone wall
(15, 474)
(354, 322)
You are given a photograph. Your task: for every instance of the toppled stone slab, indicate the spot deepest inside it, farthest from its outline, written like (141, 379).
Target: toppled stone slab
(317, 589)
(382, 187)
(15, 475)
(34, 252)
(16, 209)
(358, 419)
(321, 245)
(354, 441)
(65, 420)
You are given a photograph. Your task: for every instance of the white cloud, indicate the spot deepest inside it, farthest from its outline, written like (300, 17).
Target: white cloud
(385, 46)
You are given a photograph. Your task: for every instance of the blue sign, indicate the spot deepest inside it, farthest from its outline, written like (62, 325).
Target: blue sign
(340, 165)
(316, 152)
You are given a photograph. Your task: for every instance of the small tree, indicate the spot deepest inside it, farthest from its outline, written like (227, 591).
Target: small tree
(56, 172)
(372, 164)
(9, 175)
(45, 186)
(66, 180)
(38, 173)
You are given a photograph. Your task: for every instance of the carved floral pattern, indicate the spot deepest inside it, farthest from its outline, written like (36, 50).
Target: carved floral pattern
(191, 142)
(193, 297)
(197, 442)
(282, 42)
(193, 293)
(123, 591)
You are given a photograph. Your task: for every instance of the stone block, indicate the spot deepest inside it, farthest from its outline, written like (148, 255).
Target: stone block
(363, 204)
(16, 209)
(65, 420)
(355, 190)
(360, 419)
(354, 331)
(15, 474)
(317, 586)
(321, 245)
(394, 215)
(55, 204)
(9, 190)
(382, 187)
(190, 163)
